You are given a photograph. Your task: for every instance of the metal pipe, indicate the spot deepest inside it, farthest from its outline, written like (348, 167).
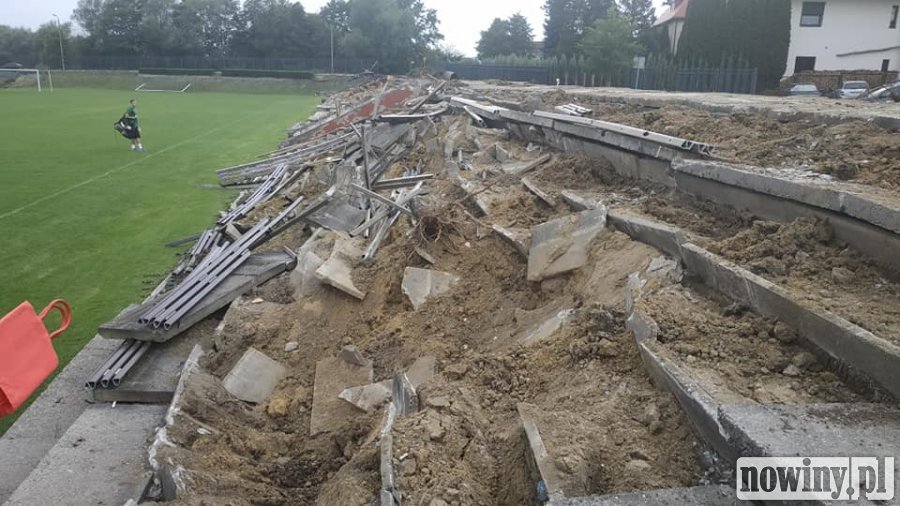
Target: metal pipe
(107, 375)
(120, 373)
(173, 318)
(95, 378)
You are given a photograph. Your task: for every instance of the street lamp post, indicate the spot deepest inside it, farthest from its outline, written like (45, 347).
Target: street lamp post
(62, 56)
(331, 28)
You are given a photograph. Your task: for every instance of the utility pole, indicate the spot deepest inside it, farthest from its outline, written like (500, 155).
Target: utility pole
(62, 56)
(331, 28)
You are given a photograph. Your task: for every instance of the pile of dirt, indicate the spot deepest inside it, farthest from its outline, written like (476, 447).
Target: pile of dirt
(738, 356)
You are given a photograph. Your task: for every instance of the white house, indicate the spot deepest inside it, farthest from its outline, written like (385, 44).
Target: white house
(844, 35)
(827, 35)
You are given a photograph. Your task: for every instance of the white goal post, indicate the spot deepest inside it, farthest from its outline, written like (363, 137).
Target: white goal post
(142, 88)
(15, 72)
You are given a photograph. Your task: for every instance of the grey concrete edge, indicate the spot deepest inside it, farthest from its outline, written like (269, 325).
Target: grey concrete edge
(837, 200)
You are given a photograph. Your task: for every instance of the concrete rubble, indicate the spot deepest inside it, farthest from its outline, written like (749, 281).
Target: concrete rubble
(601, 313)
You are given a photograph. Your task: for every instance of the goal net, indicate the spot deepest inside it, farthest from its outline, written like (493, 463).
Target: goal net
(21, 78)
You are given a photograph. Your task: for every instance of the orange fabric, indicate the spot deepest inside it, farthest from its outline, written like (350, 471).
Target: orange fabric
(27, 356)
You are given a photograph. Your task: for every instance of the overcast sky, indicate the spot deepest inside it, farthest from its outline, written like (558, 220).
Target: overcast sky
(461, 20)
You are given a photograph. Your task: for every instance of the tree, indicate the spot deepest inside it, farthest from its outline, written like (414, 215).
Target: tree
(640, 13)
(337, 15)
(47, 40)
(505, 37)
(565, 22)
(88, 15)
(609, 46)
(16, 45)
(757, 31)
(205, 27)
(395, 33)
(273, 28)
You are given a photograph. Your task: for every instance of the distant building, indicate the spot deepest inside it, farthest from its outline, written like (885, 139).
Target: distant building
(673, 22)
(844, 35)
(826, 35)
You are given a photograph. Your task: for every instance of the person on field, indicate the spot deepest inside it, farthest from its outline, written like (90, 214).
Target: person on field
(134, 132)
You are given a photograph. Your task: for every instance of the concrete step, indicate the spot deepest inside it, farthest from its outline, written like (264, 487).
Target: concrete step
(101, 459)
(49, 416)
(712, 495)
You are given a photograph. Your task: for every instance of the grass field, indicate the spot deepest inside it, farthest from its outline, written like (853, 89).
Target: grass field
(84, 218)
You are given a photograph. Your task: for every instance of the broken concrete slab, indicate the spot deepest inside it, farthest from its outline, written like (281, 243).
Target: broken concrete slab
(518, 238)
(351, 355)
(421, 284)
(421, 371)
(424, 255)
(403, 394)
(368, 397)
(303, 277)
(538, 192)
(372, 396)
(562, 245)
(336, 272)
(254, 377)
(500, 153)
(524, 167)
(665, 268)
(333, 376)
(545, 329)
(537, 456)
(578, 202)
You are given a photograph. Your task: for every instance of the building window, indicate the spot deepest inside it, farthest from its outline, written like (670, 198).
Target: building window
(885, 64)
(812, 13)
(894, 11)
(804, 64)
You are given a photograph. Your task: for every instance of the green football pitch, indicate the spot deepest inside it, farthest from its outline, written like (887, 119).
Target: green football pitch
(85, 219)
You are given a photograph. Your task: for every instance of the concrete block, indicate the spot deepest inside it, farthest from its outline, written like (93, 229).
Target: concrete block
(579, 203)
(699, 406)
(526, 118)
(421, 284)
(333, 376)
(500, 153)
(665, 268)
(403, 395)
(337, 273)
(661, 236)
(254, 377)
(545, 329)
(351, 355)
(532, 187)
(368, 397)
(562, 245)
(537, 455)
(636, 145)
(518, 238)
(100, 459)
(421, 371)
(709, 495)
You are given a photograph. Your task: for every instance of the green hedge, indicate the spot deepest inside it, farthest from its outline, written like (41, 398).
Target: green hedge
(283, 74)
(178, 72)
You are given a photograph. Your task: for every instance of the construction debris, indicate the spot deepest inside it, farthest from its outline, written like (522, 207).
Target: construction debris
(254, 377)
(561, 246)
(422, 284)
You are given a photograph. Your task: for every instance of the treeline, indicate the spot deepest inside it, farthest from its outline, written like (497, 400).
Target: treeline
(602, 37)
(395, 33)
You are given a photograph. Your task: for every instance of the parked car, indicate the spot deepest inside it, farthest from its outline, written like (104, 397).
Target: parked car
(805, 90)
(885, 92)
(851, 89)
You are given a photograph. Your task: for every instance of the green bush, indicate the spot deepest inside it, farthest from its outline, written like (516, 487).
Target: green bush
(283, 74)
(178, 72)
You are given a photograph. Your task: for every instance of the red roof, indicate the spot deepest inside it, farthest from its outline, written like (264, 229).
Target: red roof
(677, 12)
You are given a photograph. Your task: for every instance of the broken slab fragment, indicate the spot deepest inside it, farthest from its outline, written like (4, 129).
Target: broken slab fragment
(562, 245)
(578, 202)
(545, 329)
(368, 397)
(421, 284)
(539, 193)
(405, 398)
(538, 457)
(330, 413)
(372, 396)
(336, 271)
(351, 355)
(518, 238)
(254, 377)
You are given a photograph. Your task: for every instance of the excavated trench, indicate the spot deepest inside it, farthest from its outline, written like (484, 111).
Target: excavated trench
(554, 352)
